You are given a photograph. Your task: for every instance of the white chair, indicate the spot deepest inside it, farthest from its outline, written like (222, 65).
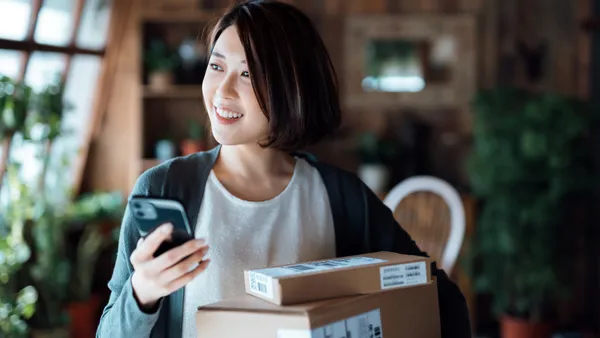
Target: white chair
(437, 229)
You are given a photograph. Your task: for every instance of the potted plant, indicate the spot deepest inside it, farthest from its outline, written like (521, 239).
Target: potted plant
(195, 141)
(529, 161)
(45, 119)
(48, 269)
(90, 217)
(66, 241)
(15, 100)
(17, 302)
(374, 155)
(160, 62)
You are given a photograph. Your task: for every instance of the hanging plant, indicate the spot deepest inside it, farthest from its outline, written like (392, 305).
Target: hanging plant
(17, 300)
(15, 99)
(48, 110)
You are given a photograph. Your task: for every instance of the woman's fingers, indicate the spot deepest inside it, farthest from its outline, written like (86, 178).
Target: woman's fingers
(183, 267)
(146, 248)
(175, 255)
(187, 277)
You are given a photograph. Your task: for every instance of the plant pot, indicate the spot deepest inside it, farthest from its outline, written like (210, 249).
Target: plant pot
(375, 176)
(189, 147)
(160, 80)
(83, 317)
(60, 332)
(519, 328)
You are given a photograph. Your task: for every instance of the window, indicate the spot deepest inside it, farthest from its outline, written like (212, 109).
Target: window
(14, 18)
(67, 39)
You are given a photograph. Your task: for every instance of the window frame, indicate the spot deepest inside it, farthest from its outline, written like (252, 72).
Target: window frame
(28, 46)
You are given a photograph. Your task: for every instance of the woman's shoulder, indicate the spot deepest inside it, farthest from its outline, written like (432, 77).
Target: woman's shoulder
(178, 169)
(333, 175)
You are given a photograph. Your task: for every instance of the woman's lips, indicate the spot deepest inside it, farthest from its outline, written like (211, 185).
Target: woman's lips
(227, 116)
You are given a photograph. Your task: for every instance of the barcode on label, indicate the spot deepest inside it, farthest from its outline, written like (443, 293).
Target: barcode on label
(403, 275)
(311, 267)
(299, 267)
(331, 264)
(261, 284)
(393, 280)
(262, 288)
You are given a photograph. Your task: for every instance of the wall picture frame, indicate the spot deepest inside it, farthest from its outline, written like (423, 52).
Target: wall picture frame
(410, 61)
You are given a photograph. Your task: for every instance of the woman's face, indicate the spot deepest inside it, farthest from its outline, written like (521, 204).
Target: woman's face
(232, 107)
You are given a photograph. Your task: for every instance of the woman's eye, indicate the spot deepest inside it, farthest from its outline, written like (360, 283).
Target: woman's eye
(245, 74)
(215, 67)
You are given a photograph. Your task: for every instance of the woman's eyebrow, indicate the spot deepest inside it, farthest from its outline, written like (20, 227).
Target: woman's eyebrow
(221, 56)
(217, 54)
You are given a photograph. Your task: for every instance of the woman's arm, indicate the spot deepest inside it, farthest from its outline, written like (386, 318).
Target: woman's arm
(122, 317)
(385, 234)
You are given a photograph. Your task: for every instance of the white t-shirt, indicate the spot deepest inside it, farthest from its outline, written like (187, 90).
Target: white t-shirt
(295, 226)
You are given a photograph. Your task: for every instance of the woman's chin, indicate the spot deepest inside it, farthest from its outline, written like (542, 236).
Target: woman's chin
(233, 139)
(229, 140)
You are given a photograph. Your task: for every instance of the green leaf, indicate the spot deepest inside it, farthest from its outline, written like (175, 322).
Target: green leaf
(530, 153)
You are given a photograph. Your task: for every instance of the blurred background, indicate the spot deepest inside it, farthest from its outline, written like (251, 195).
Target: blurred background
(475, 121)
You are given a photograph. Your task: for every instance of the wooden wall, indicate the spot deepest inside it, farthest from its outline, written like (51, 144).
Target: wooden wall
(502, 25)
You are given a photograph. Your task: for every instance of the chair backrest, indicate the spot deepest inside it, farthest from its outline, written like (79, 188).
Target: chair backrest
(432, 212)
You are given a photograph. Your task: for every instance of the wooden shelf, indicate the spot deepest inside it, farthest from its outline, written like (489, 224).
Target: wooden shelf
(175, 92)
(179, 16)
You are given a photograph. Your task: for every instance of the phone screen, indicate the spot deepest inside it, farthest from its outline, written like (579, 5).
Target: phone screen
(150, 213)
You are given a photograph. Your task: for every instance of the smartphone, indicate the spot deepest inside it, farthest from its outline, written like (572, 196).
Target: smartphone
(150, 213)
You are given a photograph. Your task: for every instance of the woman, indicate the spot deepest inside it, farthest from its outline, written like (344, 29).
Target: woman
(270, 90)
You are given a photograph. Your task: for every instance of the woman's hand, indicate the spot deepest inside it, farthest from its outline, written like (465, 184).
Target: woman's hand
(154, 278)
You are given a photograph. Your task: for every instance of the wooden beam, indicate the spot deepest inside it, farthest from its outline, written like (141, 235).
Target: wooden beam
(5, 155)
(30, 46)
(36, 6)
(121, 14)
(77, 13)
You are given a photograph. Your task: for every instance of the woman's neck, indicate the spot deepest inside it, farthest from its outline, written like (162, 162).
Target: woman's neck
(254, 162)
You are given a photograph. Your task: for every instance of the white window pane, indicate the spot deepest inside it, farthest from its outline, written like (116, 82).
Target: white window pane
(94, 24)
(28, 155)
(9, 62)
(43, 69)
(14, 18)
(80, 92)
(55, 22)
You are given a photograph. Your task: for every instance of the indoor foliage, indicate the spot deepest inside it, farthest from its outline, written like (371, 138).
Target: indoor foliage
(42, 268)
(531, 156)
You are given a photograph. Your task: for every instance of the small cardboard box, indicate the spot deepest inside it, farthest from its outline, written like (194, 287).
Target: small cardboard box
(347, 276)
(411, 312)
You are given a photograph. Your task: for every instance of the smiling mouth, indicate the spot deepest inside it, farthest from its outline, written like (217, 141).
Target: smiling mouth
(227, 114)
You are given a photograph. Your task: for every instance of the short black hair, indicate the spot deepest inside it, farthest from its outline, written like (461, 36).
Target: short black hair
(291, 71)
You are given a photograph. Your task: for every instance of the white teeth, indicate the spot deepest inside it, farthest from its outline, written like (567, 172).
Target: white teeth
(227, 114)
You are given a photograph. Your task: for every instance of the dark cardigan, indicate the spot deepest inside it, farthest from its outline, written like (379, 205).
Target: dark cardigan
(363, 224)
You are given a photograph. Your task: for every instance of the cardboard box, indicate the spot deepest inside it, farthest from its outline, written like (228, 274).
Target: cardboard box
(348, 276)
(411, 312)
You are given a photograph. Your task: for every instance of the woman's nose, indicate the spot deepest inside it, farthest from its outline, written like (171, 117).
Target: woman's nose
(226, 88)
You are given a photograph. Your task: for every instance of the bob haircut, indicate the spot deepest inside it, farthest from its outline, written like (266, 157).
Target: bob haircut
(290, 69)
